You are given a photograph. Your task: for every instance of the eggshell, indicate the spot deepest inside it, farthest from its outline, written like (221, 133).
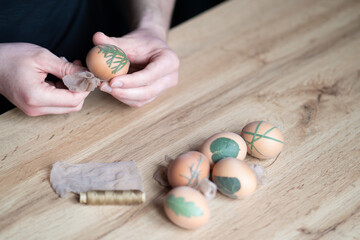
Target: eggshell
(263, 139)
(186, 207)
(107, 61)
(222, 145)
(188, 169)
(234, 178)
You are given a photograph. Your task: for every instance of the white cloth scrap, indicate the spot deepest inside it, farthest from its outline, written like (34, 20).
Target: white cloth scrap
(81, 81)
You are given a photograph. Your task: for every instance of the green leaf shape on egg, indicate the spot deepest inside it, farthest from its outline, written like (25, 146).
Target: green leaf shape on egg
(116, 58)
(228, 185)
(181, 207)
(194, 181)
(223, 148)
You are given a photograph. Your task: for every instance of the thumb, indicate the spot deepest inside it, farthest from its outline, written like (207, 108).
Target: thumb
(100, 38)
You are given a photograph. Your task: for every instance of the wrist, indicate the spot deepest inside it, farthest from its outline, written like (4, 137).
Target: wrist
(3, 74)
(155, 28)
(153, 16)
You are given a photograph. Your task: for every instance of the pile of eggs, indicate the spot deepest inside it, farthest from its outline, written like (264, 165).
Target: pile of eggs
(221, 156)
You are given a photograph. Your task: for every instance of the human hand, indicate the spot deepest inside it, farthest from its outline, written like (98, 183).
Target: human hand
(23, 70)
(153, 67)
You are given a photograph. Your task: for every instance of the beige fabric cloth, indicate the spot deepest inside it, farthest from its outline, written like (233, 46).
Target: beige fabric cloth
(81, 81)
(78, 178)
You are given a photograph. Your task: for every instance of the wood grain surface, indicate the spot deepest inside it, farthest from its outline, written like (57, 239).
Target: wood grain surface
(294, 63)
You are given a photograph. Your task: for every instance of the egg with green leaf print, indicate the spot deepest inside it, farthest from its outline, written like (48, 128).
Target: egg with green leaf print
(107, 61)
(188, 169)
(186, 207)
(234, 178)
(263, 139)
(222, 145)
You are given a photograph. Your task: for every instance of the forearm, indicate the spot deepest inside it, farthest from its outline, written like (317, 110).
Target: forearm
(151, 15)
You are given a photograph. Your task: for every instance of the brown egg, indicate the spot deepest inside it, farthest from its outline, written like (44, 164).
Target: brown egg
(222, 145)
(263, 139)
(186, 207)
(234, 178)
(107, 61)
(188, 169)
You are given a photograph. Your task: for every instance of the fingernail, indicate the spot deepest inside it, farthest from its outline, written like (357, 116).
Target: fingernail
(106, 88)
(117, 84)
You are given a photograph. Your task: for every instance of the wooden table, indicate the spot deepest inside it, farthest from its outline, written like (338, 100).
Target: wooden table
(295, 64)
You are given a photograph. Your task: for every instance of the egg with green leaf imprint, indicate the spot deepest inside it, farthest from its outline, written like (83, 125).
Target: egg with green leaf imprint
(234, 178)
(263, 139)
(222, 145)
(107, 61)
(186, 207)
(188, 169)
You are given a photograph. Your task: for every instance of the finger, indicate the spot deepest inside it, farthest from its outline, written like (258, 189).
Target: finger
(147, 92)
(136, 104)
(61, 110)
(49, 96)
(52, 110)
(57, 66)
(100, 38)
(130, 47)
(77, 62)
(160, 65)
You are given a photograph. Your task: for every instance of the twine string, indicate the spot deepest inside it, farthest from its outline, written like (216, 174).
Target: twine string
(126, 197)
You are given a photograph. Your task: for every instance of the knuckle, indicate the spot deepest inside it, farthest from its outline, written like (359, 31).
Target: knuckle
(173, 59)
(65, 68)
(137, 104)
(174, 81)
(147, 95)
(146, 81)
(40, 56)
(41, 53)
(31, 100)
(31, 112)
(78, 107)
(176, 61)
(77, 103)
